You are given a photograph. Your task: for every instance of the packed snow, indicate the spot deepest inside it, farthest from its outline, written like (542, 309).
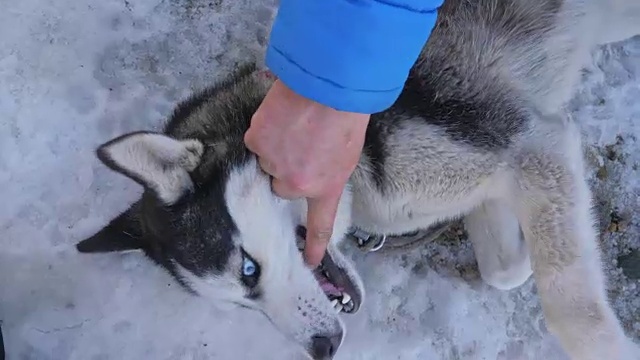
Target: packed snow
(76, 73)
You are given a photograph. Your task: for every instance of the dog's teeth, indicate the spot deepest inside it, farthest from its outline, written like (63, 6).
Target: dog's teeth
(337, 306)
(348, 307)
(345, 298)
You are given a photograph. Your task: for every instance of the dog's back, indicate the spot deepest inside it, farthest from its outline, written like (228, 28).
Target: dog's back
(534, 46)
(479, 133)
(490, 73)
(471, 98)
(480, 47)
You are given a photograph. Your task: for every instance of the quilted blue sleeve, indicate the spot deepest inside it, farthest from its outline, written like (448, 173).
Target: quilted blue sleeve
(351, 55)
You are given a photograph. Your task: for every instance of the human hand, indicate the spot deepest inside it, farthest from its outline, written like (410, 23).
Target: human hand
(310, 150)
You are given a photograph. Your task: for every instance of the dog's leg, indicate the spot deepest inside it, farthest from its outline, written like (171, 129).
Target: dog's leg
(498, 244)
(553, 204)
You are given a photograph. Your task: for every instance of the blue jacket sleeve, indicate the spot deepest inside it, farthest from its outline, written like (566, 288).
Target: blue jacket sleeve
(351, 55)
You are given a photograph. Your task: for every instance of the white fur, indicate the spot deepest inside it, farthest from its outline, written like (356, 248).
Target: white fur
(501, 253)
(291, 297)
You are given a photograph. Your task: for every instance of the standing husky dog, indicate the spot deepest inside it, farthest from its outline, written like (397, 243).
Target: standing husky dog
(478, 133)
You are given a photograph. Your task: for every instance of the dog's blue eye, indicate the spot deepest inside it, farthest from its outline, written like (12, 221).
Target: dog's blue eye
(248, 267)
(250, 273)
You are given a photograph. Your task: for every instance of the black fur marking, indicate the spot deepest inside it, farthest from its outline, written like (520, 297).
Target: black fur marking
(186, 108)
(489, 126)
(375, 152)
(198, 231)
(121, 234)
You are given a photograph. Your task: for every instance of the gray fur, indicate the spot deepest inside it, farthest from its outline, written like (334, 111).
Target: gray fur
(479, 132)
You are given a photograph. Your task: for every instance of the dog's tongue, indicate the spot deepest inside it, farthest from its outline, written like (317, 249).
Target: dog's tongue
(326, 285)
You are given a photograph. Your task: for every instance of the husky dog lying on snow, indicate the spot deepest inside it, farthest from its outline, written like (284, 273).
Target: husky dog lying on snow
(478, 133)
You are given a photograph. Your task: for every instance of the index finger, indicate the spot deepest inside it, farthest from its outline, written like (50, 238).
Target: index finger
(320, 219)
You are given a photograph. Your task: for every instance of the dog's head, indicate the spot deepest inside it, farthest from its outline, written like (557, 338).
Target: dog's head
(209, 217)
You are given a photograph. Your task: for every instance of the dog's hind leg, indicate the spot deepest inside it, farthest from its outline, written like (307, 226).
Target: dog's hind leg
(553, 205)
(498, 244)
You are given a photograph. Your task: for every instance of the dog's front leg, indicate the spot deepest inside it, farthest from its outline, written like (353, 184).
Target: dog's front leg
(553, 203)
(501, 253)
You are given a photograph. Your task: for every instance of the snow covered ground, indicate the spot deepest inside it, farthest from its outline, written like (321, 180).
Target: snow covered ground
(75, 73)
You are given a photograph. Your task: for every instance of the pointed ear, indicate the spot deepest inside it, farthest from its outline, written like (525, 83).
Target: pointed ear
(157, 162)
(121, 234)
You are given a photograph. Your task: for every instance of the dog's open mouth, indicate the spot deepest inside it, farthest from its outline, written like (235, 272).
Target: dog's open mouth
(333, 280)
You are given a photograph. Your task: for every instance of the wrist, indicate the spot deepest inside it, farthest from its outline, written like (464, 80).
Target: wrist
(310, 103)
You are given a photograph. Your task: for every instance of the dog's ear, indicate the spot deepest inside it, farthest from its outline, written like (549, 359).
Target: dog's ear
(159, 163)
(121, 234)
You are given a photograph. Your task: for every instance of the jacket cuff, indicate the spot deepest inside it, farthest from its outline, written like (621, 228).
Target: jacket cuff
(351, 55)
(326, 92)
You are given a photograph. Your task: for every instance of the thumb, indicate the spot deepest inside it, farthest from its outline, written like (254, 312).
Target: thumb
(321, 215)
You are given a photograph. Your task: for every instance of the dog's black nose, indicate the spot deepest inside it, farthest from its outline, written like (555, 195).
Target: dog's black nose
(323, 347)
